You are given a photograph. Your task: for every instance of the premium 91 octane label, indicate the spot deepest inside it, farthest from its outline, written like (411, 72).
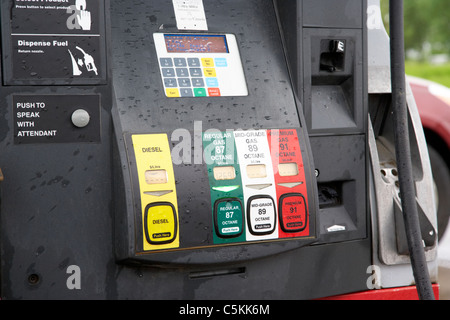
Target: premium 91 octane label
(291, 189)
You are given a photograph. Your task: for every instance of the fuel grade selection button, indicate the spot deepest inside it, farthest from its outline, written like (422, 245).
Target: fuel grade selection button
(261, 215)
(160, 223)
(228, 218)
(292, 212)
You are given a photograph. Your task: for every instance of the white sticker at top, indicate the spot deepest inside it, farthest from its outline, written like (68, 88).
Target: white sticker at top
(190, 14)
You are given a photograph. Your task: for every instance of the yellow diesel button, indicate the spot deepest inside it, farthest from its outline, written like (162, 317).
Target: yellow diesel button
(160, 223)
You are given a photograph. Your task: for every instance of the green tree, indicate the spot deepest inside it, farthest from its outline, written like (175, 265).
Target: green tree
(427, 22)
(439, 25)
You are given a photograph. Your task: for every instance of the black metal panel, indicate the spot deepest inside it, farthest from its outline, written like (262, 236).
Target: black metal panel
(70, 203)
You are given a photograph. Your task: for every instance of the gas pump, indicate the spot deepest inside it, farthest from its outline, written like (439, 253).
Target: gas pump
(202, 149)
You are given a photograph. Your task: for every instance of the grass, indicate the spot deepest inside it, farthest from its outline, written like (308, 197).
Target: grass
(436, 73)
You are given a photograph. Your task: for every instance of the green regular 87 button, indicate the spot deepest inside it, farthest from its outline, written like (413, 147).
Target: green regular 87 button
(228, 218)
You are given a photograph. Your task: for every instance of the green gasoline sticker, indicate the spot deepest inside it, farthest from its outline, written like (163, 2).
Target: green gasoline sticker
(229, 218)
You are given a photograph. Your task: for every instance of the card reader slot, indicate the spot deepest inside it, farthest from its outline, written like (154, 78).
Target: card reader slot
(329, 195)
(338, 210)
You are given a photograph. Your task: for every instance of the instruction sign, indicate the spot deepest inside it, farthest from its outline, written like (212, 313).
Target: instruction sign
(47, 118)
(190, 15)
(55, 40)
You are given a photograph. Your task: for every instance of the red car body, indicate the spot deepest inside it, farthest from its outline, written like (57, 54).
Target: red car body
(433, 103)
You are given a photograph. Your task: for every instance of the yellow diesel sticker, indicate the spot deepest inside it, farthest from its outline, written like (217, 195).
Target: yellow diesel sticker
(158, 193)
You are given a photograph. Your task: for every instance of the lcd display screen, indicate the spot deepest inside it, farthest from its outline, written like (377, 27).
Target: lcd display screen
(224, 173)
(255, 171)
(156, 176)
(288, 169)
(189, 43)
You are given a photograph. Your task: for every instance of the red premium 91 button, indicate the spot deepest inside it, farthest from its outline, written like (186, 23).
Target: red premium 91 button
(293, 212)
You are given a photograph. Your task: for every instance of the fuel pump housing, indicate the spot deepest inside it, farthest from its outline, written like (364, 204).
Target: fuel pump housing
(197, 150)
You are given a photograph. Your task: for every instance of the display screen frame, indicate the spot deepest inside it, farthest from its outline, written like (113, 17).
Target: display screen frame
(219, 41)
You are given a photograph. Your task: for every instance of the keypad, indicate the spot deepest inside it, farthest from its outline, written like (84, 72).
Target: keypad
(191, 77)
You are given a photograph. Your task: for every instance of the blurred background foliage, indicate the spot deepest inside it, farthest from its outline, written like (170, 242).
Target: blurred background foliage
(427, 38)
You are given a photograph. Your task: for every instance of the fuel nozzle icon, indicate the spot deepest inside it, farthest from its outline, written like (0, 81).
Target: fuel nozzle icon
(85, 61)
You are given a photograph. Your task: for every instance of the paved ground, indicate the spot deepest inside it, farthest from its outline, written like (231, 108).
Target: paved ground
(444, 283)
(444, 267)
